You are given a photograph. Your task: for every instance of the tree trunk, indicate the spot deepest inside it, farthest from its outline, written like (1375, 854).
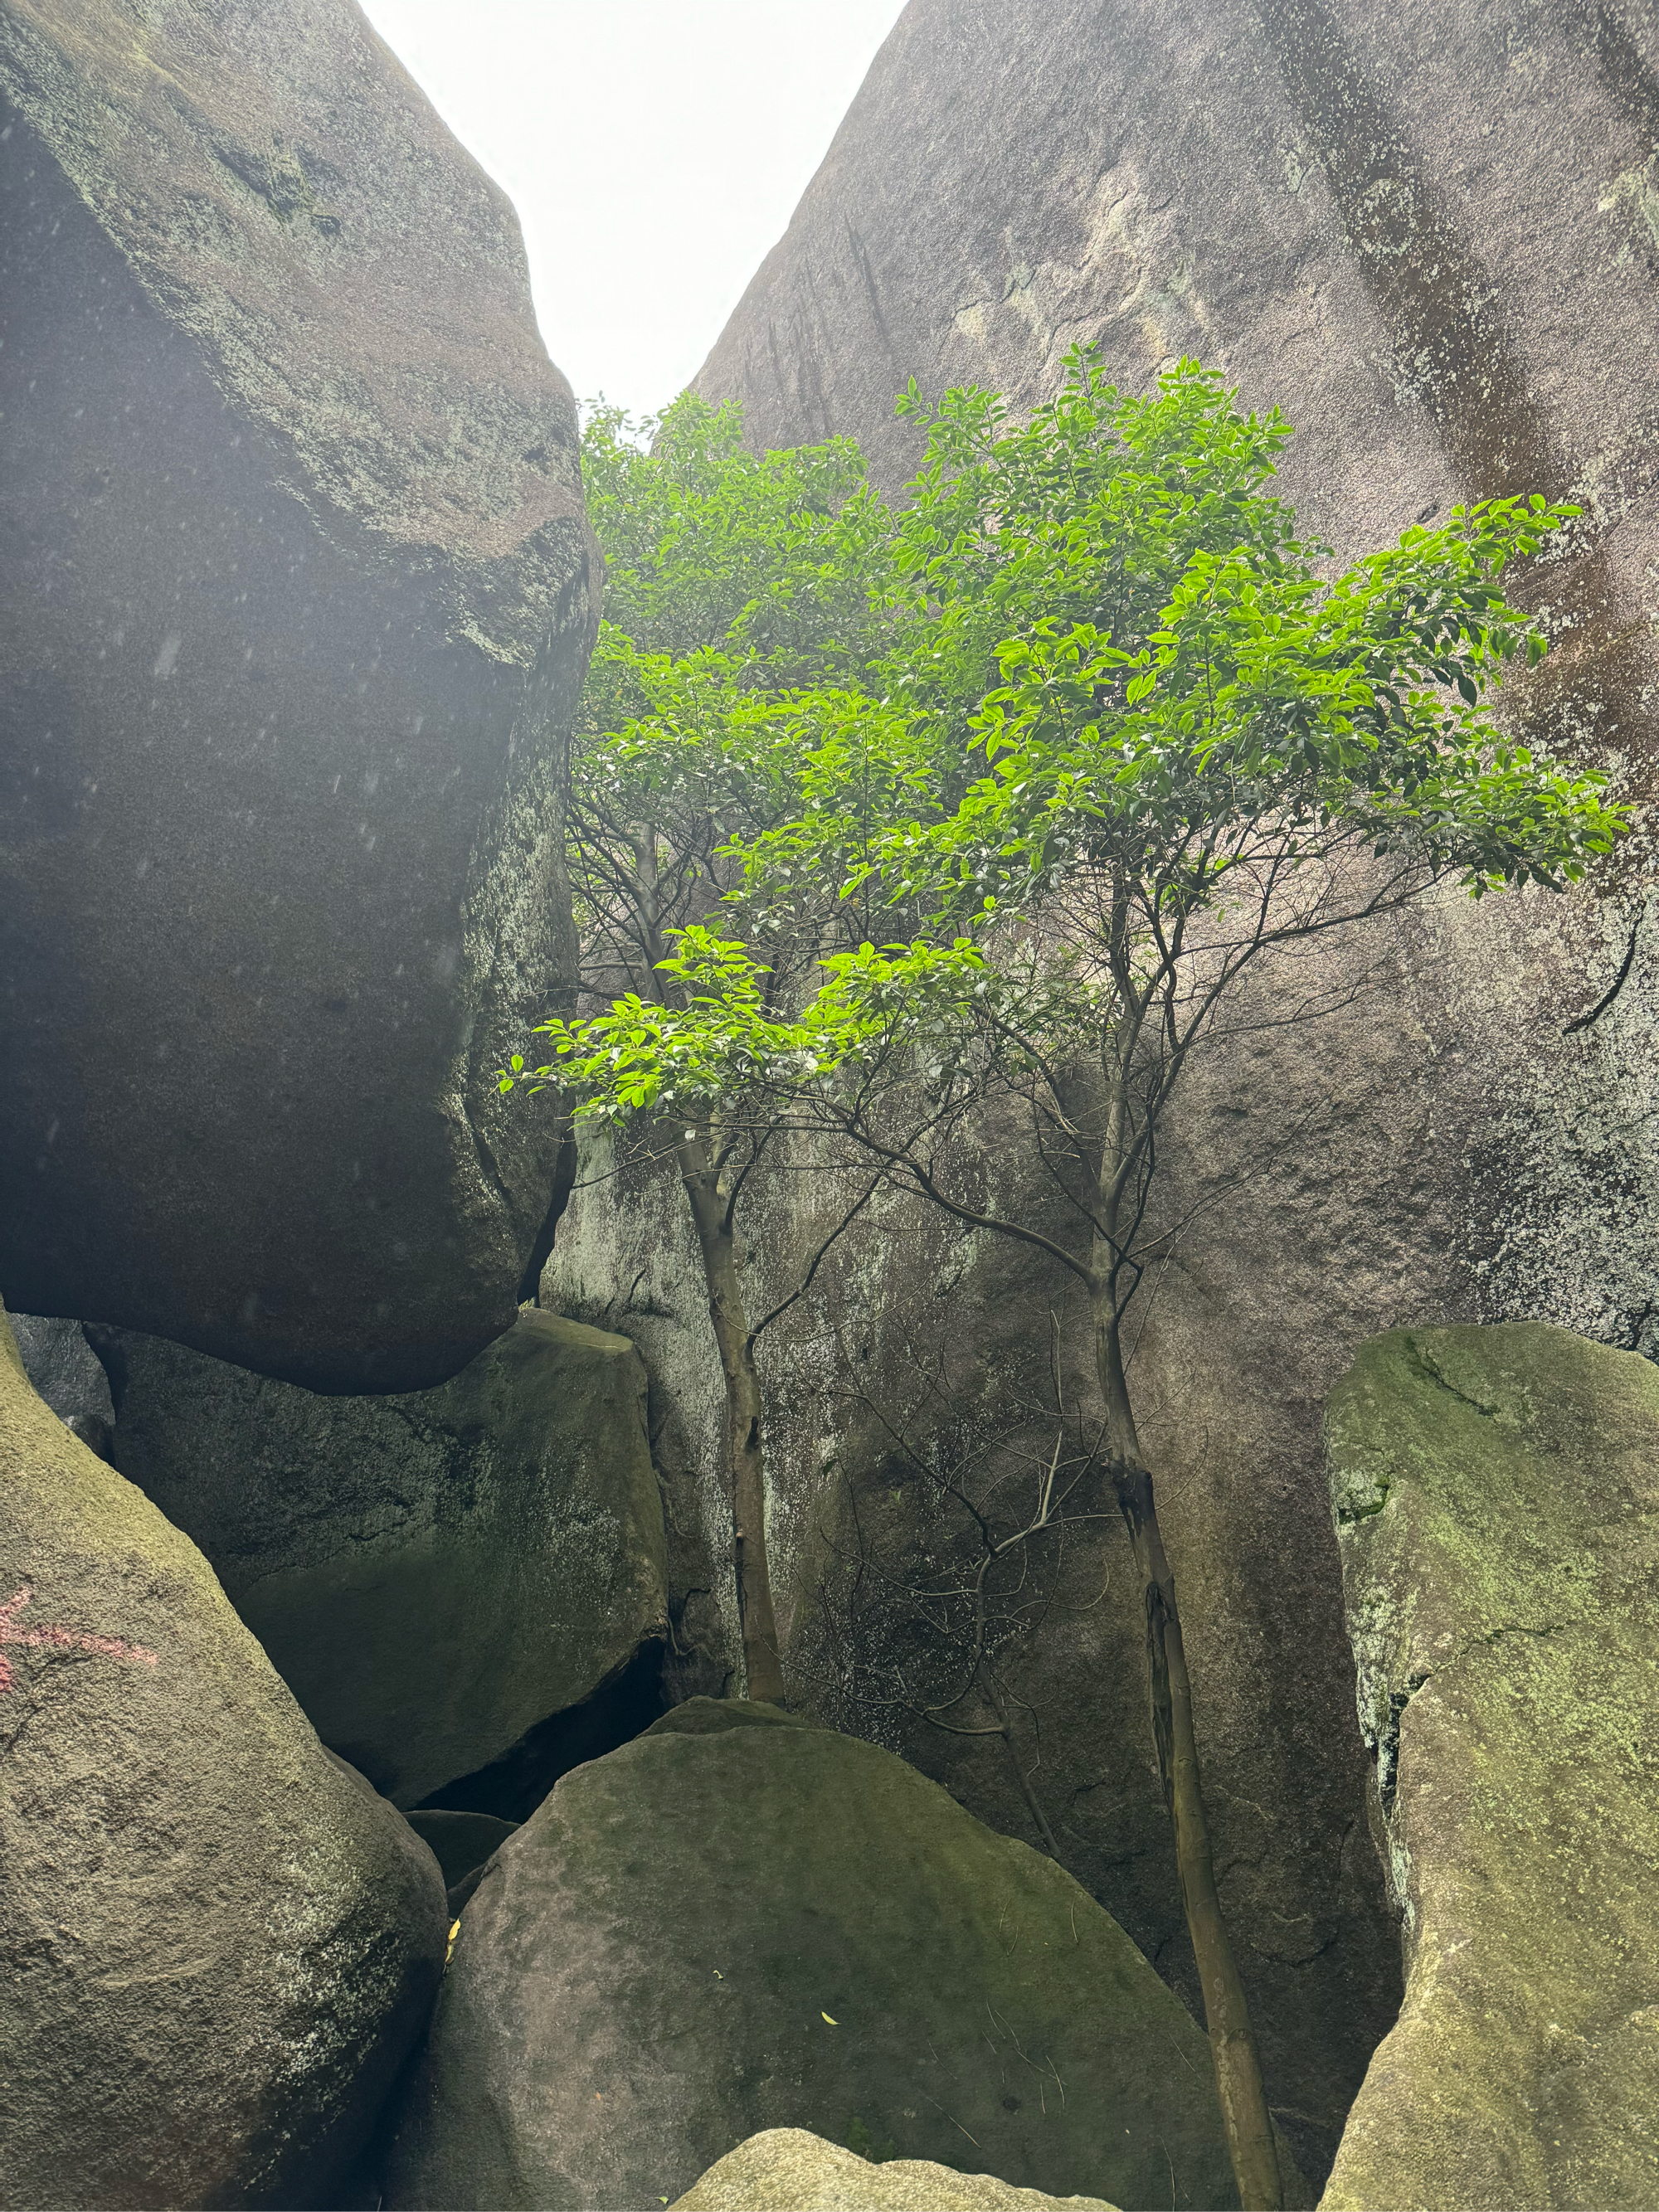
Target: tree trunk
(1040, 1819)
(745, 1467)
(1232, 2041)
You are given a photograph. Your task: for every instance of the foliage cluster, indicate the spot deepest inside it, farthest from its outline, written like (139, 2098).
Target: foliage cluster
(1084, 686)
(885, 814)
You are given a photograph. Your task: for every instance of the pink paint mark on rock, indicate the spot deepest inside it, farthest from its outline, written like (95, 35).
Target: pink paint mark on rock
(69, 1639)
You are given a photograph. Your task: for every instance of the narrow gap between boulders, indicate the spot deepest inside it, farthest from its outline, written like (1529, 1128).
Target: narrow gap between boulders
(513, 1785)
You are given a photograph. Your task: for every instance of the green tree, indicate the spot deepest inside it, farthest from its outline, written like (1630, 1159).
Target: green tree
(731, 584)
(1180, 749)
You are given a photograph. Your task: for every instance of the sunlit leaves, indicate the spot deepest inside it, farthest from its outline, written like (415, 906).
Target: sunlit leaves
(1088, 649)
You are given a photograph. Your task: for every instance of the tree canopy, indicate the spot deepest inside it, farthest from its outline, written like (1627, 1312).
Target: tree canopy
(1113, 731)
(998, 793)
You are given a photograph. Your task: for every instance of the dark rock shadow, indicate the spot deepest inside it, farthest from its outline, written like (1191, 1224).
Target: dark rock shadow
(510, 1787)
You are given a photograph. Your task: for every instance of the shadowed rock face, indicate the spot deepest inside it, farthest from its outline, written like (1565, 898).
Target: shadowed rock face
(299, 592)
(1496, 1491)
(63, 1367)
(1430, 236)
(434, 1574)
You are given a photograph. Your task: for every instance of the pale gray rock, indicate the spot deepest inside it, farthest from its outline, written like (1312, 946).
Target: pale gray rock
(1431, 236)
(434, 1574)
(217, 1945)
(788, 2170)
(299, 591)
(726, 1928)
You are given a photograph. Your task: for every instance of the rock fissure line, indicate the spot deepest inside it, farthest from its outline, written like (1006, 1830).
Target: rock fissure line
(1425, 1361)
(1387, 1743)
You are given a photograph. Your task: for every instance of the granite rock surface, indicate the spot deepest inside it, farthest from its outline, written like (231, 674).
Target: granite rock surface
(725, 1928)
(1431, 238)
(788, 2170)
(218, 1944)
(436, 1574)
(300, 590)
(1496, 1496)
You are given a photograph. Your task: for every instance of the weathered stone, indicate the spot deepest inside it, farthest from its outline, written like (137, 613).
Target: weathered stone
(432, 1574)
(1428, 235)
(787, 2169)
(625, 1257)
(63, 1367)
(1284, 1765)
(1497, 1496)
(217, 1945)
(298, 589)
(706, 1934)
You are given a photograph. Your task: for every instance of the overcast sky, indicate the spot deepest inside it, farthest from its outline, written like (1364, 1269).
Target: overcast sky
(654, 149)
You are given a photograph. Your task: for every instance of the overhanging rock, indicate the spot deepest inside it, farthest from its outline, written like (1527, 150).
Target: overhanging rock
(298, 589)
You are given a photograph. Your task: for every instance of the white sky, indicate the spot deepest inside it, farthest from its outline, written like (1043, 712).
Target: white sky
(654, 149)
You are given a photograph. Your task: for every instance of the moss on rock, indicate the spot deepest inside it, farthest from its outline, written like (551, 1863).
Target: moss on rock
(432, 1574)
(1497, 1494)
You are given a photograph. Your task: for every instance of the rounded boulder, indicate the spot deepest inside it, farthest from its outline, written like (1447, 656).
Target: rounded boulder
(719, 1930)
(217, 1944)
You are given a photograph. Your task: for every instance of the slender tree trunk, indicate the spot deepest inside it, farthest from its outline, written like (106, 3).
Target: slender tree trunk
(1232, 2041)
(745, 1467)
(1039, 1817)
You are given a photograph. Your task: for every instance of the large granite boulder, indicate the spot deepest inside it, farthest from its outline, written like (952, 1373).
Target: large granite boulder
(433, 1575)
(217, 1945)
(1497, 1496)
(788, 2170)
(736, 1922)
(1428, 233)
(298, 592)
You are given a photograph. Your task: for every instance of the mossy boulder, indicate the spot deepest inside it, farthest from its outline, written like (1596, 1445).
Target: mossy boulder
(711, 1933)
(1497, 1495)
(216, 1945)
(788, 2170)
(432, 1574)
